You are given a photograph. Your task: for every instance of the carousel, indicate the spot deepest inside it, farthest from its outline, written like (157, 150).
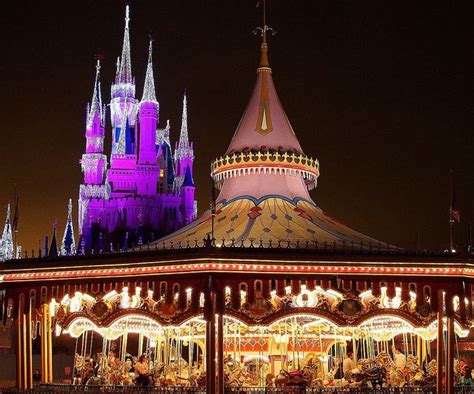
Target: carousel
(264, 292)
(122, 339)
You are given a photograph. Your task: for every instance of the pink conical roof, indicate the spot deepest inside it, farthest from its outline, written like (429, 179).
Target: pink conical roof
(264, 180)
(264, 124)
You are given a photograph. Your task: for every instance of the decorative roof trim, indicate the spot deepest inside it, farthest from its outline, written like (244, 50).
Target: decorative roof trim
(265, 163)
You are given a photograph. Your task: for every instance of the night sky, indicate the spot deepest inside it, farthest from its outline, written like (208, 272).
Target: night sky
(381, 92)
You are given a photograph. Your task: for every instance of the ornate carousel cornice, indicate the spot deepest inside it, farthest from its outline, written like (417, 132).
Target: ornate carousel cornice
(265, 162)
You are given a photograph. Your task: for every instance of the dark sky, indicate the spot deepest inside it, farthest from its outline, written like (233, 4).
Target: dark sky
(381, 92)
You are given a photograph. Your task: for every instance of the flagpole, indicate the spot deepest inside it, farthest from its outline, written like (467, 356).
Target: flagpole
(454, 215)
(470, 237)
(451, 240)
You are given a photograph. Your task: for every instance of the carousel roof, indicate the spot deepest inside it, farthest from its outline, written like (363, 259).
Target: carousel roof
(264, 180)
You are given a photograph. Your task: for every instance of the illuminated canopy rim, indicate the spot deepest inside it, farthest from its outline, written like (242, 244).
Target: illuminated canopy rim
(137, 321)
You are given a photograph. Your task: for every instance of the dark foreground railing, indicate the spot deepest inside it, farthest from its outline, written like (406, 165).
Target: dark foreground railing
(79, 389)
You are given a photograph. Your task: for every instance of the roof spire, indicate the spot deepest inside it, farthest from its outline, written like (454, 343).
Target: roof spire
(68, 246)
(263, 32)
(96, 103)
(149, 94)
(6, 242)
(183, 135)
(183, 148)
(125, 72)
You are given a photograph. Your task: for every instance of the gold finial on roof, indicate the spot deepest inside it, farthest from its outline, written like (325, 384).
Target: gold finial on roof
(263, 32)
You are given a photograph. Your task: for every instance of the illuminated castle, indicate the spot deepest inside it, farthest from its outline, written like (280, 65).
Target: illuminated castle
(146, 190)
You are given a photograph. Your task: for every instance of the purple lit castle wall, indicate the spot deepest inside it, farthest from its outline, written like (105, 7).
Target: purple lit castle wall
(148, 191)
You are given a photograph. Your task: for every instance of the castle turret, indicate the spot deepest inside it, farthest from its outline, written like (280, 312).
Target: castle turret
(94, 162)
(148, 116)
(187, 196)
(184, 154)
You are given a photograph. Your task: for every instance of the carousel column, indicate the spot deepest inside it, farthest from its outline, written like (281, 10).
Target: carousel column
(450, 345)
(29, 348)
(210, 316)
(20, 353)
(220, 342)
(46, 345)
(439, 345)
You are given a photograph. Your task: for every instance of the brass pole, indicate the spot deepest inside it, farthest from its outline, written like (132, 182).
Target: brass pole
(439, 345)
(29, 350)
(220, 353)
(49, 345)
(44, 347)
(419, 351)
(19, 349)
(450, 355)
(211, 344)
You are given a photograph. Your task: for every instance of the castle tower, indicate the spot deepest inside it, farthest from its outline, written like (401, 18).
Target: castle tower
(184, 154)
(148, 116)
(94, 162)
(187, 196)
(147, 170)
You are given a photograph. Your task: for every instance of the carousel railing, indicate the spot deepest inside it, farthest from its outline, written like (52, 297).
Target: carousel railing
(331, 390)
(58, 387)
(310, 246)
(78, 389)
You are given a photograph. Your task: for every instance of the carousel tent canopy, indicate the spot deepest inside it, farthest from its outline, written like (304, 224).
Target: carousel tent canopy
(264, 180)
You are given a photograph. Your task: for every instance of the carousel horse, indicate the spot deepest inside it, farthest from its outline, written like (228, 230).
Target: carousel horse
(291, 379)
(78, 369)
(414, 373)
(431, 373)
(371, 375)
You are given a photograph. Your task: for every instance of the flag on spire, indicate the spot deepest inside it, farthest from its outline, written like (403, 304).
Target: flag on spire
(454, 214)
(149, 94)
(68, 246)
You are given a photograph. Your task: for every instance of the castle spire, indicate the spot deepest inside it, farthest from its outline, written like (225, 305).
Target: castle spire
(96, 107)
(68, 245)
(149, 94)
(125, 71)
(183, 143)
(6, 242)
(53, 249)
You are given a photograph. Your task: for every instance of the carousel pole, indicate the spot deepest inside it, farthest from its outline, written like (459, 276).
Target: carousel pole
(49, 336)
(439, 345)
(140, 344)
(450, 348)
(20, 383)
(210, 316)
(419, 352)
(220, 352)
(29, 349)
(44, 345)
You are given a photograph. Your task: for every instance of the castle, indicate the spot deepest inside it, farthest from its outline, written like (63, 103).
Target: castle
(146, 190)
